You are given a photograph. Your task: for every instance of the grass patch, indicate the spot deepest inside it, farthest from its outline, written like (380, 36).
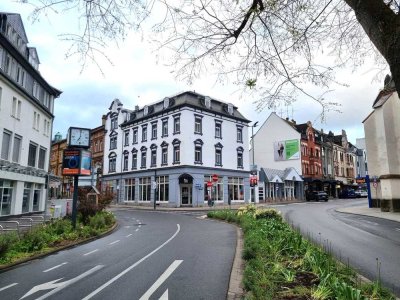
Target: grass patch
(281, 264)
(52, 235)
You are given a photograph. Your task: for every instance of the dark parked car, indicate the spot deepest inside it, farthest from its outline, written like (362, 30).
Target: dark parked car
(317, 196)
(350, 193)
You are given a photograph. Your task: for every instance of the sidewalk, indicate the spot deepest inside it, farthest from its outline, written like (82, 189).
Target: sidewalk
(364, 210)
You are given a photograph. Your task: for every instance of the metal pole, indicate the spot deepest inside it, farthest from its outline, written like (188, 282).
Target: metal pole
(75, 201)
(368, 182)
(155, 189)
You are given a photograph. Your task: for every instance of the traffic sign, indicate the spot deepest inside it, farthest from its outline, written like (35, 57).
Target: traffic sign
(209, 184)
(375, 184)
(215, 177)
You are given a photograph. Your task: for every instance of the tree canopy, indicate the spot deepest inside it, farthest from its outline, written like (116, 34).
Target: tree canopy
(276, 48)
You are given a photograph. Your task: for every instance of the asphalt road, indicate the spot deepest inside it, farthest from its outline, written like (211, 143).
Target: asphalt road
(151, 256)
(363, 242)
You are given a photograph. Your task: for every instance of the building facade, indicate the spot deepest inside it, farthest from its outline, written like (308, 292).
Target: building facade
(26, 114)
(382, 139)
(170, 150)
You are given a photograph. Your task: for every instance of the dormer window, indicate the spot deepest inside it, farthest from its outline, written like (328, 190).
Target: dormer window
(207, 102)
(166, 102)
(146, 110)
(230, 109)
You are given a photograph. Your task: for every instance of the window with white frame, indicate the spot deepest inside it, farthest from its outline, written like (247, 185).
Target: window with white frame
(177, 124)
(114, 122)
(26, 197)
(216, 192)
(218, 155)
(144, 133)
(164, 154)
(5, 145)
(154, 130)
(153, 160)
(144, 157)
(134, 159)
(235, 188)
(112, 162)
(177, 151)
(129, 185)
(126, 160)
(162, 193)
(218, 129)
(239, 151)
(198, 149)
(16, 148)
(239, 134)
(144, 188)
(198, 124)
(32, 153)
(164, 127)
(135, 135)
(14, 107)
(126, 137)
(6, 192)
(113, 142)
(37, 190)
(42, 157)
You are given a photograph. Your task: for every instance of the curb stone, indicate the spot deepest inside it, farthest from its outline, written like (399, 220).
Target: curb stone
(235, 289)
(4, 268)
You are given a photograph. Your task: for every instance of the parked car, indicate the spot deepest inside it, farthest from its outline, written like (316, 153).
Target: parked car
(361, 194)
(317, 196)
(347, 194)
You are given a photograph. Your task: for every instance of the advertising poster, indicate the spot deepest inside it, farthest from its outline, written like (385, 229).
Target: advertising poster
(76, 162)
(86, 161)
(286, 150)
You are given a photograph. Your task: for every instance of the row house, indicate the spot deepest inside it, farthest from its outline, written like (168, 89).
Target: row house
(169, 152)
(26, 114)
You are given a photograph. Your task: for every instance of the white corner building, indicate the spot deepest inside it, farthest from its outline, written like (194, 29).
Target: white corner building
(170, 150)
(26, 120)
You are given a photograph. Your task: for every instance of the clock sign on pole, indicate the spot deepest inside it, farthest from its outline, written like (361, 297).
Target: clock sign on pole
(77, 160)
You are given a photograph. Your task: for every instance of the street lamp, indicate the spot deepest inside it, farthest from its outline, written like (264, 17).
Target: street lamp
(252, 138)
(253, 194)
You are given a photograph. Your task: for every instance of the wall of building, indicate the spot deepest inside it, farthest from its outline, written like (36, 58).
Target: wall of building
(273, 130)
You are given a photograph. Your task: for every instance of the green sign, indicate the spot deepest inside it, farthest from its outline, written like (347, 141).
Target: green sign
(292, 149)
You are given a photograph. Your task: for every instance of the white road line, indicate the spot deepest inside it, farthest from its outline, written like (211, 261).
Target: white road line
(95, 292)
(140, 226)
(7, 286)
(137, 229)
(129, 235)
(127, 226)
(72, 281)
(55, 267)
(397, 229)
(164, 296)
(91, 252)
(160, 280)
(117, 241)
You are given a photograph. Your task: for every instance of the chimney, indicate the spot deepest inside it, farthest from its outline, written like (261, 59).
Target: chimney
(136, 107)
(287, 119)
(293, 121)
(103, 120)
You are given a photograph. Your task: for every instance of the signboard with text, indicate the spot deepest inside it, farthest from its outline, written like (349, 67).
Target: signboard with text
(287, 150)
(76, 162)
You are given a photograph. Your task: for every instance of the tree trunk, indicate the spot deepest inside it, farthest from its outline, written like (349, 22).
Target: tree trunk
(382, 26)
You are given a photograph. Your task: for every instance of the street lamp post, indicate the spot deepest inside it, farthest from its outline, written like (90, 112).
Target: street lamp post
(253, 196)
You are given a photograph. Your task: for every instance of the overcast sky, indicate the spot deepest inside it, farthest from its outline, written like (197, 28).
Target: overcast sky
(137, 78)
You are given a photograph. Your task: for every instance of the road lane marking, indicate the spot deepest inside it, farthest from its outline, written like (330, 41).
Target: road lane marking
(397, 229)
(95, 292)
(160, 280)
(127, 226)
(7, 286)
(137, 229)
(58, 286)
(117, 241)
(129, 235)
(164, 296)
(55, 267)
(91, 252)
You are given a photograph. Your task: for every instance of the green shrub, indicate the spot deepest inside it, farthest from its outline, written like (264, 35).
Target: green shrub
(6, 242)
(97, 221)
(269, 213)
(35, 240)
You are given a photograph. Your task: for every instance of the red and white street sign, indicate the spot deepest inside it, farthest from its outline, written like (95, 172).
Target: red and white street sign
(215, 177)
(209, 184)
(375, 184)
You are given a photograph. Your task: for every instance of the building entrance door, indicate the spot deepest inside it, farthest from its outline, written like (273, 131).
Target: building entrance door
(186, 194)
